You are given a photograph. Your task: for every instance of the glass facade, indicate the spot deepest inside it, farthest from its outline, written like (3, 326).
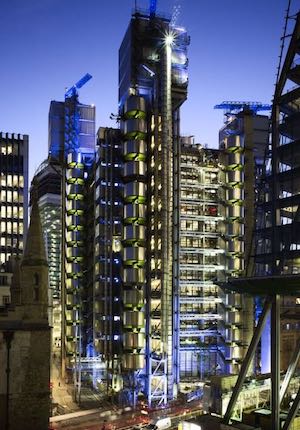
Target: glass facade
(13, 194)
(201, 264)
(47, 184)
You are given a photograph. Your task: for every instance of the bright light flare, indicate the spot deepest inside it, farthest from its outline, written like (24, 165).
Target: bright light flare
(169, 39)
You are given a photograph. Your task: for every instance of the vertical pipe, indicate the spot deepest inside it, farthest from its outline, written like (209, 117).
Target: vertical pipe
(275, 362)
(63, 269)
(167, 209)
(176, 244)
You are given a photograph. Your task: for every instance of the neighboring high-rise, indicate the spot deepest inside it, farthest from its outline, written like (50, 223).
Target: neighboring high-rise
(13, 194)
(243, 143)
(66, 202)
(47, 185)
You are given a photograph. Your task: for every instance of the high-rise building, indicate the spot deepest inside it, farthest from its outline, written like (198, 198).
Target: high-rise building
(65, 197)
(138, 257)
(243, 143)
(107, 257)
(201, 264)
(47, 186)
(72, 152)
(13, 194)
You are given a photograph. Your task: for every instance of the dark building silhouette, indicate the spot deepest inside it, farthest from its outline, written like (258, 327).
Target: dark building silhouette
(25, 339)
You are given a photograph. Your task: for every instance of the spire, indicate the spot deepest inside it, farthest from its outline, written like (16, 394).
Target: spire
(34, 253)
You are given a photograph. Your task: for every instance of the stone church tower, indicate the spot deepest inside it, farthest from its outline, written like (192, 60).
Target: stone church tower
(25, 339)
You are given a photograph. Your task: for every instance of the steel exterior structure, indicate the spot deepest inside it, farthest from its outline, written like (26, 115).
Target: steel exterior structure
(278, 238)
(201, 262)
(152, 86)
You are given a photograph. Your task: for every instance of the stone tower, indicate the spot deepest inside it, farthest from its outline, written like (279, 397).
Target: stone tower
(25, 340)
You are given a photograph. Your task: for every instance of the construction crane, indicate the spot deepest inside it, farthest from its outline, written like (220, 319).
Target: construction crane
(152, 8)
(237, 106)
(73, 90)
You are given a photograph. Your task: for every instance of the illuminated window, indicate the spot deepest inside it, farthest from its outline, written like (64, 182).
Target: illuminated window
(18, 180)
(3, 212)
(9, 195)
(116, 245)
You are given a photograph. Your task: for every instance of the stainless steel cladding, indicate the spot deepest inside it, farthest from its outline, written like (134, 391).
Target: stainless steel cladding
(134, 128)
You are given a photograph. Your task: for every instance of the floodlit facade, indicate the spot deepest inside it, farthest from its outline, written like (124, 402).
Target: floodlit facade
(107, 294)
(135, 192)
(152, 87)
(13, 194)
(47, 184)
(201, 264)
(243, 143)
(71, 157)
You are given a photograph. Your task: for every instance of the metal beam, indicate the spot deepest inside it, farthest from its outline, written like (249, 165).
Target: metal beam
(275, 362)
(247, 360)
(292, 412)
(291, 370)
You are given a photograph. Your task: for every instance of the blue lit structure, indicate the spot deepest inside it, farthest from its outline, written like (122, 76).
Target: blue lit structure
(238, 106)
(73, 91)
(79, 153)
(152, 86)
(72, 146)
(201, 261)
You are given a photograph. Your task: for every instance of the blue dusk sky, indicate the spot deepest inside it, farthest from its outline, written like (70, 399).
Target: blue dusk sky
(47, 45)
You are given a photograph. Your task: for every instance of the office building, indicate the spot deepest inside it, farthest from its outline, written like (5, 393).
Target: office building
(107, 257)
(13, 194)
(62, 185)
(141, 262)
(201, 264)
(243, 143)
(71, 157)
(46, 185)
